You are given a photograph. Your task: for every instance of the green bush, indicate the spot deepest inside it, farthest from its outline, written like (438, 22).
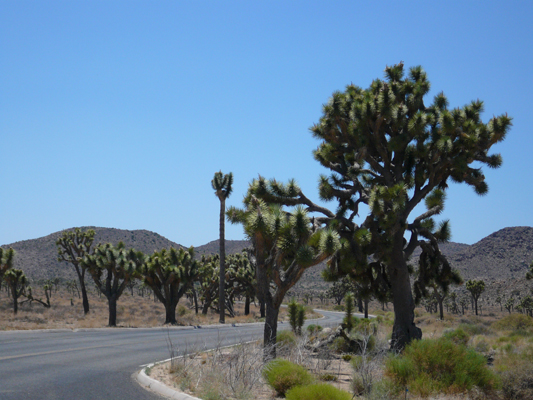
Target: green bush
(286, 338)
(313, 328)
(514, 322)
(458, 336)
(320, 391)
(283, 375)
(475, 329)
(440, 366)
(338, 307)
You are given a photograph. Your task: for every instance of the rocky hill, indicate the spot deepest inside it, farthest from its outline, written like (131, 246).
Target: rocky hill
(232, 246)
(38, 257)
(503, 255)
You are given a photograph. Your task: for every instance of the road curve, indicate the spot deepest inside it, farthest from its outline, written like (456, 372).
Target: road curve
(99, 363)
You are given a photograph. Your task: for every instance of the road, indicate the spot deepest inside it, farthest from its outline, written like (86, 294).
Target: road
(99, 363)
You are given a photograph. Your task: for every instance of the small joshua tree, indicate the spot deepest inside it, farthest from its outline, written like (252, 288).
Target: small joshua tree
(296, 316)
(475, 287)
(17, 282)
(6, 262)
(348, 318)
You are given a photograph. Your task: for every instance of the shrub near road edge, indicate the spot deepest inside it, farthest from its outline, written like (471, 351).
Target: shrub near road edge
(321, 391)
(440, 366)
(283, 375)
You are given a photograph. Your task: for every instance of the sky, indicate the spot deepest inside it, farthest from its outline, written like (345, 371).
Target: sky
(118, 113)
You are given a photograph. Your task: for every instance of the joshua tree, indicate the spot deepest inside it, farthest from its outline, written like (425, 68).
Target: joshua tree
(6, 262)
(435, 272)
(509, 304)
(475, 287)
(112, 268)
(242, 273)
(170, 274)
(390, 151)
(285, 244)
(17, 282)
(222, 185)
(72, 246)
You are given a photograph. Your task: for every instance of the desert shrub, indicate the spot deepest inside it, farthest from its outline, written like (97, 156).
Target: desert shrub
(328, 377)
(347, 357)
(458, 336)
(320, 391)
(338, 307)
(476, 329)
(514, 322)
(384, 389)
(182, 310)
(516, 371)
(480, 344)
(286, 338)
(313, 328)
(283, 375)
(440, 365)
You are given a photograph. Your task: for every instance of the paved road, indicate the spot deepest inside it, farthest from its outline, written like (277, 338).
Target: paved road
(99, 363)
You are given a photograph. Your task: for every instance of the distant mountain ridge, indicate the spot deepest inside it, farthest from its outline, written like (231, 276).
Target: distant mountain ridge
(38, 257)
(502, 257)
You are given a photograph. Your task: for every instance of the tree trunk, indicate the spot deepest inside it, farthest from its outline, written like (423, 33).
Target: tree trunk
(270, 333)
(404, 329)
(221, 293)
(195, 300)
(81, 278)
(366, 308)
(359, 303)
(475, 303)
(170, 312)
(84, 295)
(15, 299)
(262, 312)
(112, 302)
(247, 305)
(441, 308)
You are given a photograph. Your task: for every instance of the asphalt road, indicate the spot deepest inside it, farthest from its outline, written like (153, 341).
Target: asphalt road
(100, 363)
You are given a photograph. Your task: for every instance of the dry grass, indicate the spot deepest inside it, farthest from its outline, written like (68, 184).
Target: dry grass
(132, 311)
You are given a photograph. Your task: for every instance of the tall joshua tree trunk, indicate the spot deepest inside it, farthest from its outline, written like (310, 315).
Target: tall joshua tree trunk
(222, 249)
(404, 329)
(222, 185)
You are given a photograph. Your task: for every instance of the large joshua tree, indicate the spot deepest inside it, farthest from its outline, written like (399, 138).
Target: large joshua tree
(112, 268)
(285, 244)
(170, 273)
(388, 150)
(222, 185)
(72, 246)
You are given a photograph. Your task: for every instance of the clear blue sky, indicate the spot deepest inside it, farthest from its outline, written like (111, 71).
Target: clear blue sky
(118, 113)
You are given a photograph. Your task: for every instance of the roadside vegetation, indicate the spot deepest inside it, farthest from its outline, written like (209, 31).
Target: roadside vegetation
(460, 357)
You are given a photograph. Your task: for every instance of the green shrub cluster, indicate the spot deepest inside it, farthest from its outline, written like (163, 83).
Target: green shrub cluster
(458, 336)
(312, 328)
(321, 391)
(283, 375)
(285, 338)
(515, 322)
(440, 366)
